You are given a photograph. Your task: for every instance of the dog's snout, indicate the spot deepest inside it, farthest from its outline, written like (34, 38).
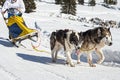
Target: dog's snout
(77, 48)
(110, 43)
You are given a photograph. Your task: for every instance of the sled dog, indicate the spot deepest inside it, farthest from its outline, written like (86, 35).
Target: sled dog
(66, 39)
(94, 40)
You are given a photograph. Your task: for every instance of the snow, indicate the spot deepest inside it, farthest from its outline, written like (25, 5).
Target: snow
(22, 64)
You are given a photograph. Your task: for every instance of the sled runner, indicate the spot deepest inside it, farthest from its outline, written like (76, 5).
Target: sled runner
(30, 35)
(24, 37)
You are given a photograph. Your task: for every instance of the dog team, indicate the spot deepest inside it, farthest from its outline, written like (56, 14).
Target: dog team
(82, 42)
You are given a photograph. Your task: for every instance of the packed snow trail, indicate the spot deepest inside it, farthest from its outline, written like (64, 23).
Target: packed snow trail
(21, 64)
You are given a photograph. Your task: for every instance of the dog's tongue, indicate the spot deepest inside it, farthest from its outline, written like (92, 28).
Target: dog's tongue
(77, 51)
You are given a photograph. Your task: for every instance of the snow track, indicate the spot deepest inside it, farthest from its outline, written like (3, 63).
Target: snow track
(7, 74)
(21, 64)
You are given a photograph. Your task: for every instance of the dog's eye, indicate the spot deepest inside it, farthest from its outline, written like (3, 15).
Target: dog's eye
(106, 37)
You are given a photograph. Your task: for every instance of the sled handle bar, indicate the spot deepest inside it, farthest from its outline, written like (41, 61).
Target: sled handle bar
(13, 14)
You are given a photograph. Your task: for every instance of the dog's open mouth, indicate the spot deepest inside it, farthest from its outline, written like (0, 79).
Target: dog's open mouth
(77, 51)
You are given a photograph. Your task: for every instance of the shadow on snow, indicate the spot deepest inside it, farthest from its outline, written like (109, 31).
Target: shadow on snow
(38, 59)
(5, 42)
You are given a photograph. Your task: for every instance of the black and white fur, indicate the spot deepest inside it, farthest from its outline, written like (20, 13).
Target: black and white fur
(66, 39)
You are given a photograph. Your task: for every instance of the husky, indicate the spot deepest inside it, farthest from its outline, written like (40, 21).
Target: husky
(94, 40)
(67, 39)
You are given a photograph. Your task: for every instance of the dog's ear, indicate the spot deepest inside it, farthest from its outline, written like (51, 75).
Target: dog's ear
(65, 35)
(99, 32)
(80, 33)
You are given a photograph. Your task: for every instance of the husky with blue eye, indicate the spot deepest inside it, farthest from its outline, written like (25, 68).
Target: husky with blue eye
(94, 40)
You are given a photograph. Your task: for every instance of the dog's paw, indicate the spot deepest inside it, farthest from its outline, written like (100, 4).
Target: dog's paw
(92, 65)
(78, 63)
(67, 62)
(72, 65)
(99, 62)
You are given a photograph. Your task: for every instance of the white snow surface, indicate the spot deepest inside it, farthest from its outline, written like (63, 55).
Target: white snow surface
(22, 64)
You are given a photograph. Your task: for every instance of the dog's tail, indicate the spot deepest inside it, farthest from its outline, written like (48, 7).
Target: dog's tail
(52, 40)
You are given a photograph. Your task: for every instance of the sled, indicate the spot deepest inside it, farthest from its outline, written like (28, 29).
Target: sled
(18, 31)
(27, 36)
